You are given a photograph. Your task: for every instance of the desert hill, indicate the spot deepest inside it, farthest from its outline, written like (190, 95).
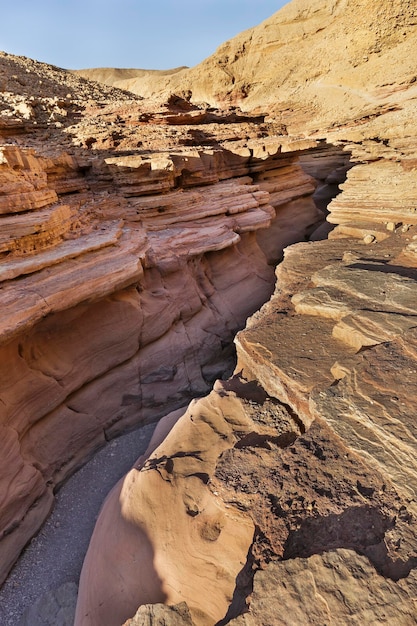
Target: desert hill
(330, 59)
(140, 232)
(113, 76)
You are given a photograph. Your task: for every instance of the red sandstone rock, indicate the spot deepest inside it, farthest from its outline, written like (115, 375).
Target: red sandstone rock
(116, 303)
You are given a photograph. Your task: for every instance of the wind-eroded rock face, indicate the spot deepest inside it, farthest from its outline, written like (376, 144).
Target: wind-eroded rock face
(125, 272)
(138, 238)
(303, 461)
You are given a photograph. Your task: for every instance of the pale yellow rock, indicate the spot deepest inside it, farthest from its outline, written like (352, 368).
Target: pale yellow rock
(214, 539)
(392, 200)
(307, 60)
(369, 239)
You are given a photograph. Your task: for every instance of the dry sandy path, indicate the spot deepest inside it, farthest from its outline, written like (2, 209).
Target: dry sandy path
(56, 554)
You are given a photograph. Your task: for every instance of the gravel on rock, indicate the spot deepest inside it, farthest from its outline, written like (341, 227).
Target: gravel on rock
(52, 561)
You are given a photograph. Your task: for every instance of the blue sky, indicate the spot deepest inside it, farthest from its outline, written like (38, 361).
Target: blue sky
(149, 34)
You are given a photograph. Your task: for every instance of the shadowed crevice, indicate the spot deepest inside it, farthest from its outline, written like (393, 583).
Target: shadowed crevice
(360, 528)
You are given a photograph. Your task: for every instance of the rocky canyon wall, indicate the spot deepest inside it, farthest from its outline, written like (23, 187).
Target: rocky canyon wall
(125, 272)
(138, 235)
(288, 494)
(297, 473)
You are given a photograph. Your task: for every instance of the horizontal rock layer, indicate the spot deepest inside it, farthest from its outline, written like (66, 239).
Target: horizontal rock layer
(298, 473)
(323, 465)
(315, 432)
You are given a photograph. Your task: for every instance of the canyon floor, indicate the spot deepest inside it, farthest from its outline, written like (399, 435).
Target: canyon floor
(51, 565)
(266, 198)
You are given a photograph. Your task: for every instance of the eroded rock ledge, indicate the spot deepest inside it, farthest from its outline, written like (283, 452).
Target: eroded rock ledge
(309, 471)
(296, 474)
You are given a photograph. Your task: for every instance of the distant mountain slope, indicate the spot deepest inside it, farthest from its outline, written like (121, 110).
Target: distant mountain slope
(22, 76)
(324, 56)
(126, 78)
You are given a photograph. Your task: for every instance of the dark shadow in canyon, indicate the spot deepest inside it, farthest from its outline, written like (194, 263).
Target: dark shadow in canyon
(247, 390)
(386, 268)
(243, 589)
(359, 528)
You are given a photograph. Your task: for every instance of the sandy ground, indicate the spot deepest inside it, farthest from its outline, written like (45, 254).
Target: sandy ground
(56, 554)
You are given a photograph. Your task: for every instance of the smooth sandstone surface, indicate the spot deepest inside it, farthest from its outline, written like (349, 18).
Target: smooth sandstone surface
(334, 503)
(327, 589)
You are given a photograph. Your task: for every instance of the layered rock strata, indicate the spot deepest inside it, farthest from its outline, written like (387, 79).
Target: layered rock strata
(296, 474)
(125, 273)
(312, 65)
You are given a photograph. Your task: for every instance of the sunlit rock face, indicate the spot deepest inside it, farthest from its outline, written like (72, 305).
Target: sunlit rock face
(308, 451)
(138, 236)
(331, 63)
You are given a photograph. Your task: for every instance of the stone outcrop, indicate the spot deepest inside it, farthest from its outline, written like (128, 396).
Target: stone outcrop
(311, 64)
(327, 588)
(311, 443)
(161, 615)
(125, 271)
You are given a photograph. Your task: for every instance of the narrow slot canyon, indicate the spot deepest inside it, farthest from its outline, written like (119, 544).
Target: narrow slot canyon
(208, 338)
(183, 314)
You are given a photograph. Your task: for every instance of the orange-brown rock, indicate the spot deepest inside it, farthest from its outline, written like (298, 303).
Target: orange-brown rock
(302, 493)
(23, 182)
(328, 364)
(214, 539)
